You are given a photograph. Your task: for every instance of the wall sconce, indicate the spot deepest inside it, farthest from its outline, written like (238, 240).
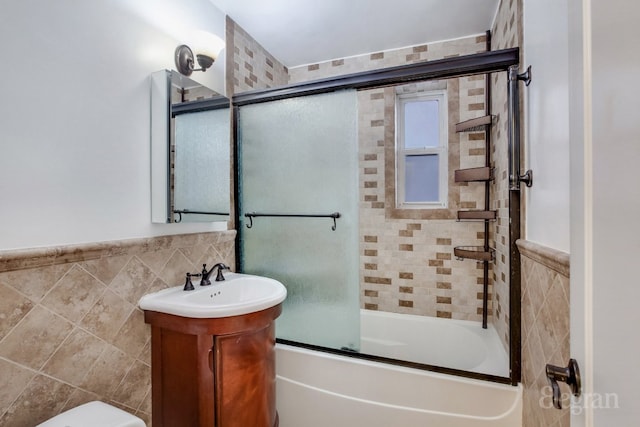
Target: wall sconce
(207, 49)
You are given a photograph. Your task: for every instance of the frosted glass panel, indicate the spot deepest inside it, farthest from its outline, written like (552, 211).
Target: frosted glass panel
(421, 124)
(421, 180)
(299, 156)
(202, 161)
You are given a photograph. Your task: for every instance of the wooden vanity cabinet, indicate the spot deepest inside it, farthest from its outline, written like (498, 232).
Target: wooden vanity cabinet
(213, 372)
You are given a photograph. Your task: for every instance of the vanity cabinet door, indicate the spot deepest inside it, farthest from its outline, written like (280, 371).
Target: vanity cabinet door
(182, 379)
(245, 378)
(217, 372)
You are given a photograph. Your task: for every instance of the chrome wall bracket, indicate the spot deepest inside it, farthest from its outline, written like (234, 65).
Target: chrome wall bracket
(526, 76)
(527, 178)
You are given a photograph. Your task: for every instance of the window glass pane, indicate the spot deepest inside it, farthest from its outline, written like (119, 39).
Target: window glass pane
(421, 127)
(421, 178)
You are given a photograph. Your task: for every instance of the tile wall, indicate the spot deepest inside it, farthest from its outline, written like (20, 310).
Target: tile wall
(407, 263)
(70, 329)
(249, 65)
(389, 58)
(506, 33)
(545, 331)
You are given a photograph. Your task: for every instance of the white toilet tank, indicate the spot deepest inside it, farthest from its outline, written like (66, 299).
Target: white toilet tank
(94, 414)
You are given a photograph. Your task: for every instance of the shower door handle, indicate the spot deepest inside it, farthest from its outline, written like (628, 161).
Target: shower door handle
(514, 148)
(569, 375)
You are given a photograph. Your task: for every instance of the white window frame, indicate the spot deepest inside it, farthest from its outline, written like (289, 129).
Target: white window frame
(441, 150)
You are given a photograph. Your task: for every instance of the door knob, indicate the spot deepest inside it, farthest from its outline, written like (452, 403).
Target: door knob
(569, 375)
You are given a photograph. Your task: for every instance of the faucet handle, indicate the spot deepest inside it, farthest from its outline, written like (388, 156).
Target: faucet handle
(188, 286)
(221, 266)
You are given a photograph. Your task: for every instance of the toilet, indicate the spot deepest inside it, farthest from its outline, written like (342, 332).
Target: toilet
(94, 414)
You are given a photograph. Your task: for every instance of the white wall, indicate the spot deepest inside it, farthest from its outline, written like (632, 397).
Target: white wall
(547, 122)
(74, 117)
(616, 205)
(605, 154)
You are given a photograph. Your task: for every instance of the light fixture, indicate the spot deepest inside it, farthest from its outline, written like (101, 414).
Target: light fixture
(184, 60)
(207, 48)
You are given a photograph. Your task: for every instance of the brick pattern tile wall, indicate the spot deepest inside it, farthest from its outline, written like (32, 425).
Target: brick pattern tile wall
(507, 32)
(545, 331)
(389, 58)
(70, 329)
(249, 65)
(407, 263)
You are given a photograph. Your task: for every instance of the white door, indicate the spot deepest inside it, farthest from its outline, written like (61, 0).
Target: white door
(604, 55)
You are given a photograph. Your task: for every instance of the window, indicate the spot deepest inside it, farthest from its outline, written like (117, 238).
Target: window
(421, 150)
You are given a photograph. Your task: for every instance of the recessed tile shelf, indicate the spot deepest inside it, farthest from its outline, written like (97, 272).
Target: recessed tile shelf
(474, 125)
(473, 252)
(476, 215)
(473, 174)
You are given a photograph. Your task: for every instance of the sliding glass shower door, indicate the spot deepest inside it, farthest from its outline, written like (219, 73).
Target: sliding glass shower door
(299, 165)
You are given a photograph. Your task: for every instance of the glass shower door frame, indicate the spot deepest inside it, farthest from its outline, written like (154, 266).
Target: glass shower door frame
(481, 63)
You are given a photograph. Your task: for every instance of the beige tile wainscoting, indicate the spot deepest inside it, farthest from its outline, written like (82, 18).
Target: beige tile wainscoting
(70, 328)
(545, 330)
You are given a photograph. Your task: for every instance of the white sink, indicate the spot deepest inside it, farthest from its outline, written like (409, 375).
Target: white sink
(238, 294)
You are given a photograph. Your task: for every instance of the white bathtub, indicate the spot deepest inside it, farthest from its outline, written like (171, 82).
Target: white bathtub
(316, 389)
(450, 343)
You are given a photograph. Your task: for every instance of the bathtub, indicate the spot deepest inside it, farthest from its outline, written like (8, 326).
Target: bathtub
(317, 389)
(450, 343)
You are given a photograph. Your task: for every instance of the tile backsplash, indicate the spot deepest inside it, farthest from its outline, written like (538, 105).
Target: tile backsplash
(70, 328)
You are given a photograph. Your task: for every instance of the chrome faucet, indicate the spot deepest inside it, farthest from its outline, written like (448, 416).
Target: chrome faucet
(207, 274)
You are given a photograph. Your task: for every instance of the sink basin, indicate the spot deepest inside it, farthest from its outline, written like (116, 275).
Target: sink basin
(238, 294)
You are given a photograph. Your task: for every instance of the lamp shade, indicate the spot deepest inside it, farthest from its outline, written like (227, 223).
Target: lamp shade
(207, 44)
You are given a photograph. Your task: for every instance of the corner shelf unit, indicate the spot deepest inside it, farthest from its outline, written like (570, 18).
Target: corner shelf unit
(473, 174)
(478, 174)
